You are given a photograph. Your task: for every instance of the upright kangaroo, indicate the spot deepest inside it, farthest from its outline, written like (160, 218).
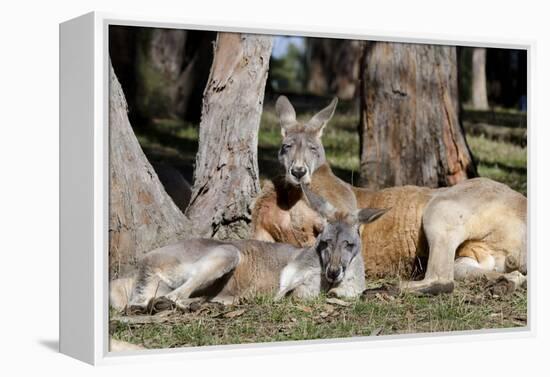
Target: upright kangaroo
(475, 228)
(224, 270)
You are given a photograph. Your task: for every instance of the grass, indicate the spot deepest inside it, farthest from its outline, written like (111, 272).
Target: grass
(261, 319)
(503, 162)
(469, 307)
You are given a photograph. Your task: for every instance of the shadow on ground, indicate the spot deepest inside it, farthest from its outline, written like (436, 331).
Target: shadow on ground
(51, 344)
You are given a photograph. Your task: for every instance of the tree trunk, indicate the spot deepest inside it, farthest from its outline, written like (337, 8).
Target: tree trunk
(409, 126)
(226, 168)
(163, 71)
(333, 67)
(479, 80)
(142, 216)
(182, 59)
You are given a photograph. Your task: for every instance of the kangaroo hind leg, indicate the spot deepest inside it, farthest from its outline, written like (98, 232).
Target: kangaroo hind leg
(444, 226)
(215, 263)
(468, 268)
(292, 277)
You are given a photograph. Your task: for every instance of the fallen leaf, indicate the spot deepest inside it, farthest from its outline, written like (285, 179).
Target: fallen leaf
(324, 314)
(380, 297)
(234, 313)
(303, 308)
(337, 301)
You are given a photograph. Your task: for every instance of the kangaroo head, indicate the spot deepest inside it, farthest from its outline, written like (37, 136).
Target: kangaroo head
(301, 151)
(340, 241)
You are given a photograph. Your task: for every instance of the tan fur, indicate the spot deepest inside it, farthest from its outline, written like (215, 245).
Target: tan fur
(397, 242)
(258, 271)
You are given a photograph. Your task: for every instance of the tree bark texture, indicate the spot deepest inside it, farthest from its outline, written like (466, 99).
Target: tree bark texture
(226, 169)
(142, 216)
(409, 123)
(479, 79)
(333, 67)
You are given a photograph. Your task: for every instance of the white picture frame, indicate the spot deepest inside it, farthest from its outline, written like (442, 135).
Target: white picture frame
(84, 191)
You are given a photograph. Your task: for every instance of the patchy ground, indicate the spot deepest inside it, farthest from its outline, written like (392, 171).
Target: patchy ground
(470, 307)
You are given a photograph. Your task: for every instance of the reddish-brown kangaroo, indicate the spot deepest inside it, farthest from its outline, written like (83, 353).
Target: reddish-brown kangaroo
(475, 228)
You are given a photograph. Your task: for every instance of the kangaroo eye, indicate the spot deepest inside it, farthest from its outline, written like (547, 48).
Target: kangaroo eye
(313, 148)
(349, 246)
(285, 148)
(322, 245)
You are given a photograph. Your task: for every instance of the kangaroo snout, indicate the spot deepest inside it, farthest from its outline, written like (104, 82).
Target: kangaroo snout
(334, 274)
(298, 171)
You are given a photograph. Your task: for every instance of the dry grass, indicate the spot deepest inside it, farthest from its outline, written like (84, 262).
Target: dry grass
(261, 319)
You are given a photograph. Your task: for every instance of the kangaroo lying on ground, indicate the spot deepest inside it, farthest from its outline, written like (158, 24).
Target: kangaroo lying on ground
(475, 228)
(225, 270)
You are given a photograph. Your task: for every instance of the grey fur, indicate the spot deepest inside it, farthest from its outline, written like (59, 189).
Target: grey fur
(224, 270)
(302, 151)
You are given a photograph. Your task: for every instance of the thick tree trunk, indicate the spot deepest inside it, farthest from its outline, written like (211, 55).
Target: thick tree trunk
(141, 215)
(226, 168)
(409, 125)
(333, 67)
(479, 80)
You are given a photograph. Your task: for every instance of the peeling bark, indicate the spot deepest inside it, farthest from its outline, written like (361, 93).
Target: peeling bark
(226, 175)
(142, 216)
(409, 125)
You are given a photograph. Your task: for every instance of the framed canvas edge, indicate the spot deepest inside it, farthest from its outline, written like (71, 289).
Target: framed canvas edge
(102, 356)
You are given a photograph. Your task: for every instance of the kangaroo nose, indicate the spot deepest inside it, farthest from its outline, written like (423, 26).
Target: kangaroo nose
(298, 171)
(333, 273)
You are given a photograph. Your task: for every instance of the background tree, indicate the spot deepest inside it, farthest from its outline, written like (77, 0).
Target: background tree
(409, 125)
(479, 80)
(333, 66)
(287, 73)
(163, 71)
(226, 177)
(142, 216)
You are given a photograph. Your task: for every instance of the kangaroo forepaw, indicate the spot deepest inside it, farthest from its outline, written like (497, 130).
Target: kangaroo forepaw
(160, 304)
(343, 292)
(386, 288)
(427, 287)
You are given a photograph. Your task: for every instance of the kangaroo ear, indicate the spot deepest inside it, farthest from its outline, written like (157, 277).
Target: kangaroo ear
(368, 215)
(286, 114)
(318, 204)
(320, 120)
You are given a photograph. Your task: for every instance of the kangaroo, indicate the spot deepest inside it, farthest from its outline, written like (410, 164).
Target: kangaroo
(475, 228)
(226, 270)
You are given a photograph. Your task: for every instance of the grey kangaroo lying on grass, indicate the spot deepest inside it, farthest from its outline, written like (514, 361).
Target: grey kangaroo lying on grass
(475, 228)
(225, 270)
